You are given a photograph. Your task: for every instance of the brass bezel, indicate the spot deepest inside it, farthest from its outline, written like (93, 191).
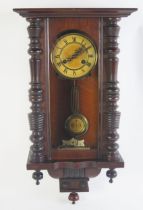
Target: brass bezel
(81, 117)
(73, 33)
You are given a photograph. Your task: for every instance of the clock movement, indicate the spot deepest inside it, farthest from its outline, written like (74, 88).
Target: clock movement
(74, 93)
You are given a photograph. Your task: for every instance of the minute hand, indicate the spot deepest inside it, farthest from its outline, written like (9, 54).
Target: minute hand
(75, 54)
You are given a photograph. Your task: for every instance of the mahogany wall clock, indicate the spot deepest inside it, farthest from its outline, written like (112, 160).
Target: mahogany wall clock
(74, 93)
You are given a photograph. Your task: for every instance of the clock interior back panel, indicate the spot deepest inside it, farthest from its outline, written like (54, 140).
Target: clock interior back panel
(60, 93)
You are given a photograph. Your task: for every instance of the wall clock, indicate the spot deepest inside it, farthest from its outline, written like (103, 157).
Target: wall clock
(74, 93)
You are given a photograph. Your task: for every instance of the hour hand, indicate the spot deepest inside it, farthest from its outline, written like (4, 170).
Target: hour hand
(75, 54)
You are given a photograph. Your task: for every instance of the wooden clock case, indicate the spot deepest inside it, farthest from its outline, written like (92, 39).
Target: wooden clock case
(50, 98)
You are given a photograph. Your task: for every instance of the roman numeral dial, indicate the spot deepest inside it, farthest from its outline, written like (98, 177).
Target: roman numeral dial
(73, 56)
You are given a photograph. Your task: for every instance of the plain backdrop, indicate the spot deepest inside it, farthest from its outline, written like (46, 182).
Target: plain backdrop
(17, 189)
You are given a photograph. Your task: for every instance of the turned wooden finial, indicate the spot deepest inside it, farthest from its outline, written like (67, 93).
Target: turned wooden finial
(73, 196)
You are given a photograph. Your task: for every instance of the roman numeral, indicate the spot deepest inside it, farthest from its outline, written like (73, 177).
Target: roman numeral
(90, 55)
(57, 56)
(59, 63)
(65, 71)
(74, 73)
(88, 64)
(74, 39)
(84, 45)
(88, 47)
(65, 41)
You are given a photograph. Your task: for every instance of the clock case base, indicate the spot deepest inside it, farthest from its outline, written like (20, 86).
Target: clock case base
(74, 174)
(47, 165)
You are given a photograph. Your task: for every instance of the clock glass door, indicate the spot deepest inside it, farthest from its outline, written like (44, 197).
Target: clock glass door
(74, 112)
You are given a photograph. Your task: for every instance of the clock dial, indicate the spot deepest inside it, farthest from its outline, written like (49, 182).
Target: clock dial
(74, 55)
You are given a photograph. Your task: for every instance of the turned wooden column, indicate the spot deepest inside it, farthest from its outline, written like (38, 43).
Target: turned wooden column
(36, 117)
(111, 116)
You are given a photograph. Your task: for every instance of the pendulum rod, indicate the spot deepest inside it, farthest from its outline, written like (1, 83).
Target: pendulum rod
(74, 98)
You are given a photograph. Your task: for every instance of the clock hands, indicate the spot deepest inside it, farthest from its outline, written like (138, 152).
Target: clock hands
(76, 54)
